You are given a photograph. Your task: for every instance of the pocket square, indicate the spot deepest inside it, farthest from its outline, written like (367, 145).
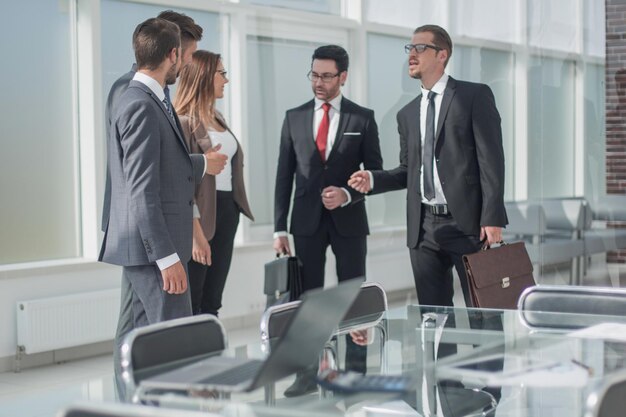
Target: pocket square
(351, 133)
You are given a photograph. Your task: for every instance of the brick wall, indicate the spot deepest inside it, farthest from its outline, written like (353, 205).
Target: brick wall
(616, 105)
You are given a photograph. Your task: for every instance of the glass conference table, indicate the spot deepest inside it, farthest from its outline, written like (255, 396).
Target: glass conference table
(462, 362)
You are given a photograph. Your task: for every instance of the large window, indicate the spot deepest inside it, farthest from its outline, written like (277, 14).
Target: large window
(389, 89)
(551, 140)
(119, 19)
(595, 128)
(494, 68)
(277, 83)
(40, 213)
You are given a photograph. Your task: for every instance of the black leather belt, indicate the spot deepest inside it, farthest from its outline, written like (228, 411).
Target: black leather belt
(437, 209)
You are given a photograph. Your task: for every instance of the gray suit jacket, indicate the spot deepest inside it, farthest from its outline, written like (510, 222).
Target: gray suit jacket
(117, 89)
(152, 183)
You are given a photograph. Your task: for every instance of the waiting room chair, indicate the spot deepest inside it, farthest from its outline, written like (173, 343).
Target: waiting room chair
(590, 301)
(164, 346)
(273, 325)
(366, 311)
(608, 397)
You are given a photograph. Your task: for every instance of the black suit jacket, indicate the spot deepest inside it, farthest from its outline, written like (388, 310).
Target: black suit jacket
(469, 158)
(356, 142)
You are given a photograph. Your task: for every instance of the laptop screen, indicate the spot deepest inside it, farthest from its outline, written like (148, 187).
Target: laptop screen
(309, 330)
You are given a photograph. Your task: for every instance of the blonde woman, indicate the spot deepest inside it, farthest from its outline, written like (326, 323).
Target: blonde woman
(219, 199)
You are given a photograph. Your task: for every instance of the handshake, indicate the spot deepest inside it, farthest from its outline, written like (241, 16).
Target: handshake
(215, 161)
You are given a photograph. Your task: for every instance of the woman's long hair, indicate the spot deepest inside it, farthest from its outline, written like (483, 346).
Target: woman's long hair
(195, 95)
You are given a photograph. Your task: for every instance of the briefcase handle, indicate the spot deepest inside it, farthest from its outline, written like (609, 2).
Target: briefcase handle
(486, 244)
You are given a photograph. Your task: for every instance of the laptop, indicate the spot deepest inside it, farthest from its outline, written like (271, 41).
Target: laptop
(308, 331)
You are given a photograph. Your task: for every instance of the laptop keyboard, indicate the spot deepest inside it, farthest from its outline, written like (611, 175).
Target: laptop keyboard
(234, 376)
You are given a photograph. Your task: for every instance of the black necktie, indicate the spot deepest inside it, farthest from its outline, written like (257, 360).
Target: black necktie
(167, 102)
(429, 148)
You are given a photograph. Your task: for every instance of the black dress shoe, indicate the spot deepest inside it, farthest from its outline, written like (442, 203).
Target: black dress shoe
(304, 384)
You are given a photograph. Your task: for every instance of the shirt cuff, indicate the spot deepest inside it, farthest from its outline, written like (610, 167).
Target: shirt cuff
(196, 211)
(205, 166)
(371, 179)
(168, 261)
(280, 234)
(347, 195)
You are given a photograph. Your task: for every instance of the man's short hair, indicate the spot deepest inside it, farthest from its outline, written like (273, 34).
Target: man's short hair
(441, 38)
(189, 30)
(334, 52)
(153, 40)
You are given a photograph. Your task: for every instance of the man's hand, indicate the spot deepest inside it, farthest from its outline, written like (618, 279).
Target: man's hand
(201, 251)
(493, 233)
(362, 337)
(174, 279)
(215, 161)
(360, 181)
(281, 245)
(333, 197)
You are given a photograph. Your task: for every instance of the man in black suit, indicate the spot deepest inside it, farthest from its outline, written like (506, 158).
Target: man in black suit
(452, 165)
(322, 142)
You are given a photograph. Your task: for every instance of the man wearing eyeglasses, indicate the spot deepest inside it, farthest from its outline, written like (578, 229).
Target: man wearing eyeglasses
(452, 165)
(322, 142)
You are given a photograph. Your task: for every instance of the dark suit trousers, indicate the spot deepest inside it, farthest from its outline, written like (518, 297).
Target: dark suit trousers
(207, 282)
(311, 250)
(441, 246)
(350, 255)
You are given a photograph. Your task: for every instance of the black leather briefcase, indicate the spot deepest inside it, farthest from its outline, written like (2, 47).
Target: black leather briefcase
(283, 282)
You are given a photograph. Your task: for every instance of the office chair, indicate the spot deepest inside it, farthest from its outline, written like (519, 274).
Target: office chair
(608, 397)
(164, 346)
(585, 306)
(273, 324)
(366, 312)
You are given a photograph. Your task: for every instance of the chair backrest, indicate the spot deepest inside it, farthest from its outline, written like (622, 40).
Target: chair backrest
(593, 302)
(275, 320)
(526, 219)
(370, 304)
(164, 346)
(608, 397)
(123, 410)
(567, 214)
(609, 208)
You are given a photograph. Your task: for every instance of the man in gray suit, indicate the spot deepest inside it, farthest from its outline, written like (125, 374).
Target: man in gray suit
(190, 34)
(149, 231)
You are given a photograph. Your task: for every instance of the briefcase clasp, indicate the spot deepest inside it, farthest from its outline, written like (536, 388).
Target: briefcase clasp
(506, 282)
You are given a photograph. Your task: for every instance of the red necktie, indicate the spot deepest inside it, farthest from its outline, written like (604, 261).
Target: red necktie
(322, 132)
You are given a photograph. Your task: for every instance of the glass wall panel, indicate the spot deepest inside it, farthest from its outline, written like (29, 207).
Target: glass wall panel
(276, 82)
(473, 20)
(550, 128)
(119, 20)
(318, 6)
(595, 128)
(39, 214)
(552, 24)
(494, 68)
(389, 88)
(408, 13)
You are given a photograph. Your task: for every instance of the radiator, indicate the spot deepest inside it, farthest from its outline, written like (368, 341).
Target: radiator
(71, 320)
